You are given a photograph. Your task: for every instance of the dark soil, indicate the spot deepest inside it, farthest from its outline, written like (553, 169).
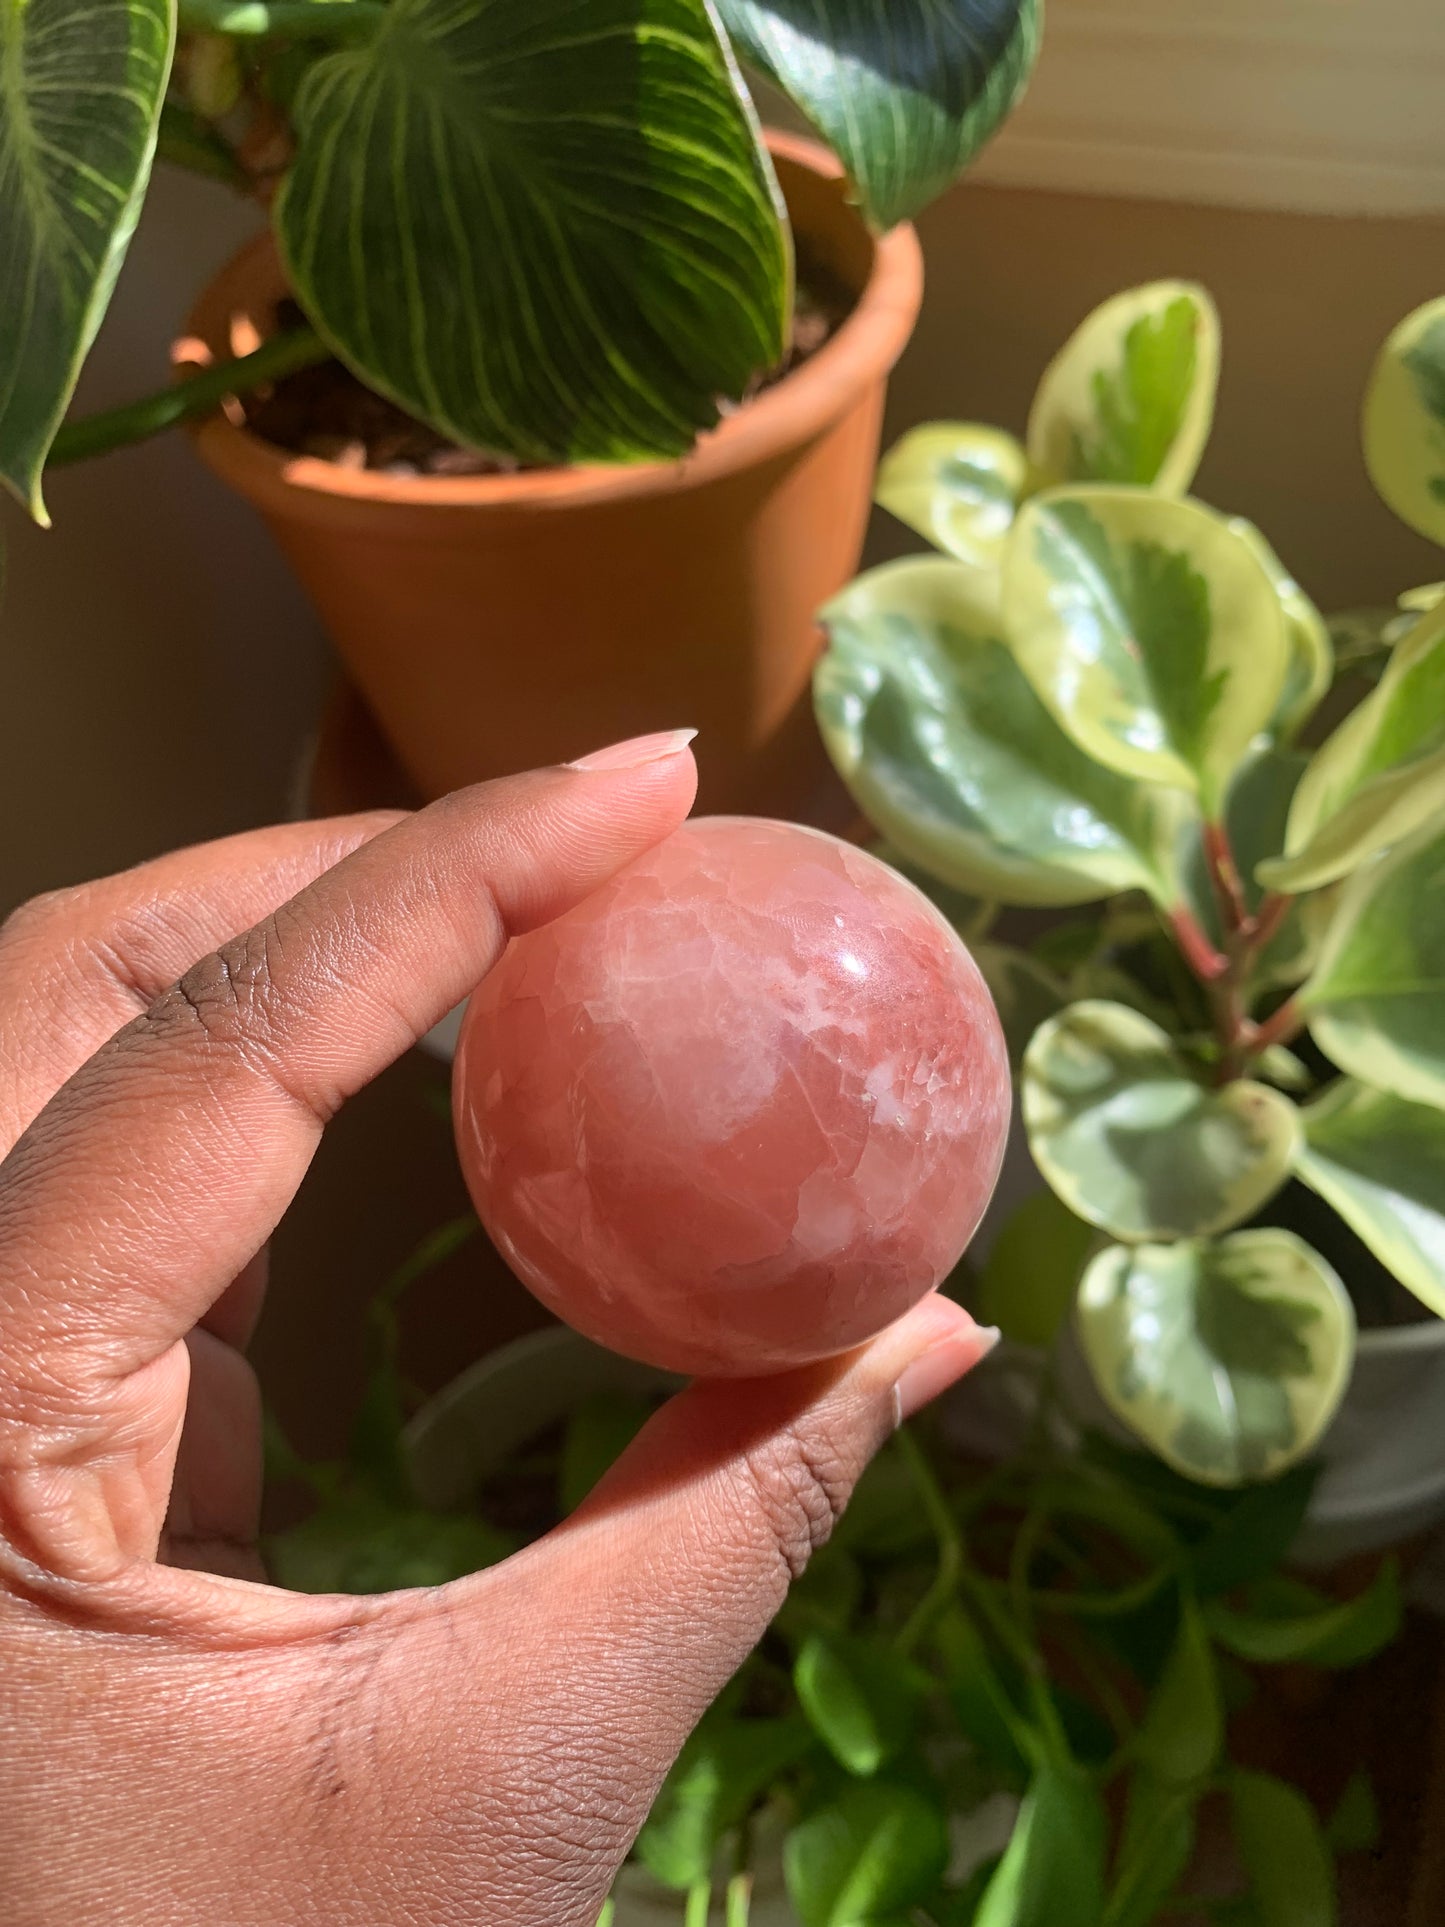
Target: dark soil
(325, 411)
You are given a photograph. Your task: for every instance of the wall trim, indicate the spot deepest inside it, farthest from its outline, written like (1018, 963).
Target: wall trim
(1323, 106)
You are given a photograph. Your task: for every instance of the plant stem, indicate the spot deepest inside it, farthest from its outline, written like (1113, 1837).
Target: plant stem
(1207, 963)
(739, 1900)
(200, 394)
(1224, 876)
(1272, 911)
(949, 1571)
(699, 1904)
(1285, 1023)
(284, 19)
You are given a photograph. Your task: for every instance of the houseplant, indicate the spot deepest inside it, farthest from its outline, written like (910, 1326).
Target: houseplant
(1232, 1064)
(1073, 1632)
(552, 232)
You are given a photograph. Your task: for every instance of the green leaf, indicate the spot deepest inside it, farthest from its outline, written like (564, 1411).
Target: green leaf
(1355, 1823)
(1381, 774)
(905, 91)
(982, 1703)
(958, 485)
(561, 231)
(360, 1542)
(1311, 653)
(875, 1850)
(1183, 1728)
(1155, 1852)
(1255, 1534)
(1052, 1872)
(825, 1595)
(1405, 421)
(1130, 396)
(1228, 1357)
(1376, 1000)
(1336, 1635)
(861, 1697)
(725, 1768)
(1284, 1852)
(947, 748)
(1380, 1161)
(1031, 1274)
(1132, 1142)
(599, 1431)
(1150, 628)
(80, 101)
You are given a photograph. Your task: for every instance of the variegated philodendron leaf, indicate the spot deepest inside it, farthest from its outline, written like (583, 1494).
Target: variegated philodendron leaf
(1381, 774)
(958, 485)
(905, 91)
(1227, 1357)
(1405, 421)
(525, 266)
(1376, 999)
(1150, 628)
(1311, 653)
(80, 97)
(1380, 1161)
(946, 747)
(1130, 396)
(1133, 1142)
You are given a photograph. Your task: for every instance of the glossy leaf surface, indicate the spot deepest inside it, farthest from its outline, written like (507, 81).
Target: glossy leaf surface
(1150, 628)
(905, 92)
(1133, 1142)
(526, 267)
(1379, 776)
(1130, 396)
(1376, 1000)
(947, 748)
(1227, 1357)
(80, 100)
(958, 485)
(1380, 1161)
(1405, 421)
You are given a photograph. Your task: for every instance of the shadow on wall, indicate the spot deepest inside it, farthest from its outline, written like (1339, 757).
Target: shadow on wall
(160, 672)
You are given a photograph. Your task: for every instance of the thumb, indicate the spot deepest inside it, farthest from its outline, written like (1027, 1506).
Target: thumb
(594, 1653)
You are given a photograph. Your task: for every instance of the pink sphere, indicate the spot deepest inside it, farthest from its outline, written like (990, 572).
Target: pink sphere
(739, 1109)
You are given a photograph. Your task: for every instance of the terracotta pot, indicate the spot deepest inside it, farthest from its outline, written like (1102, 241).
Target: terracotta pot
(496, 623)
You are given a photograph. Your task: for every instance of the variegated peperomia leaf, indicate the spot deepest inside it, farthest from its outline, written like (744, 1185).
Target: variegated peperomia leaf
(525, 265)
(1380, 1161)
(1405, 421)
(1130, 396)
(906, 92)
(1376, 998)
(1311, 653)
(80, 98)
(948, 750)
(1380, 775)
(958, 485)
(1227, 1357)
(1150, 628)
(1133, 1142)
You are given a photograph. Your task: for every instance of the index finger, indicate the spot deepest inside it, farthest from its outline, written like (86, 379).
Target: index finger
(166, 1161)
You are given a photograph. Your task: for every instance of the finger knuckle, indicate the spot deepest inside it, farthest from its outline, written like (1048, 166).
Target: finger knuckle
(230, 997)
(42, 923)
(800, 1482)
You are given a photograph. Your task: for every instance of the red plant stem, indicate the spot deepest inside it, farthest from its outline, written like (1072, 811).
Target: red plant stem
(1272, 911)
(1224, 875)
(1285, 1023)
(1207, 963)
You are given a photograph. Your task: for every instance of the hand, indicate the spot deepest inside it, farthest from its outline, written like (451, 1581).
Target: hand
(180, 1743)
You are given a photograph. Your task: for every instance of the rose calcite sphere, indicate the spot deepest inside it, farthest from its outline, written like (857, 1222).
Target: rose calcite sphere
(741, 1108)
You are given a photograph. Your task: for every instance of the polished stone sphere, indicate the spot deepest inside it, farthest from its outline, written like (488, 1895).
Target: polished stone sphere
(741, 1108)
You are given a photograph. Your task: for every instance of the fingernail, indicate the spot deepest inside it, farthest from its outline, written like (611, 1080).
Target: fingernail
(952, 1347)
(637, 750)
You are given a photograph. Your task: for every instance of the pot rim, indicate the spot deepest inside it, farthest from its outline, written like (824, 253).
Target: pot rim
(864, 349)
